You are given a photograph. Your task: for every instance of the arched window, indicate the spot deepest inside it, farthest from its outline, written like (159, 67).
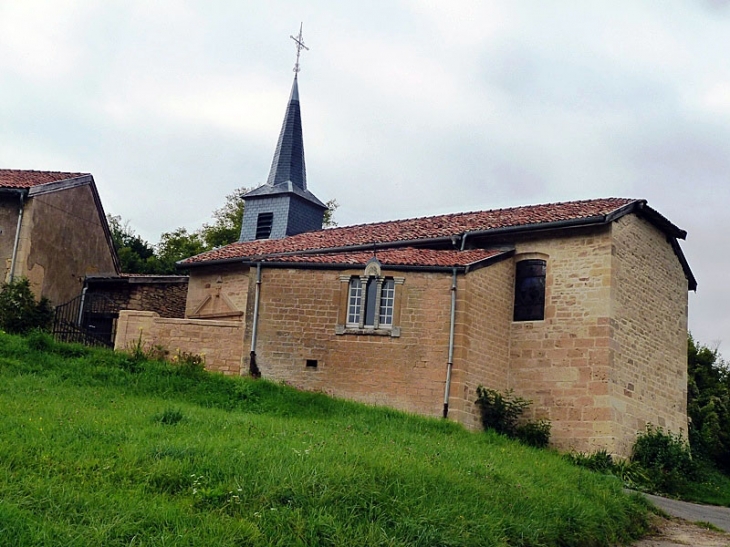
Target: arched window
(530, 290)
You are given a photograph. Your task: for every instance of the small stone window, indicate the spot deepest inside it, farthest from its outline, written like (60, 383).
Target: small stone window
(371, 306)
(375, 307)
(263, 225)
(530, 290)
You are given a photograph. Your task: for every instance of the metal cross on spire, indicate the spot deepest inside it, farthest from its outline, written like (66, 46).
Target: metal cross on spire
(300, 46)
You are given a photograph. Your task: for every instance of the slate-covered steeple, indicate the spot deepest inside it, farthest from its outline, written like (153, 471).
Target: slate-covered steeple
(288, 164)
(283, 206)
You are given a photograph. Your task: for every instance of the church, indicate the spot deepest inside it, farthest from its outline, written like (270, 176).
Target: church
(580, 307)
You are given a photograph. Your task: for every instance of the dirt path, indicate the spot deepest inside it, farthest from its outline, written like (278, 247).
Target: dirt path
(680, 533)
(679, 530)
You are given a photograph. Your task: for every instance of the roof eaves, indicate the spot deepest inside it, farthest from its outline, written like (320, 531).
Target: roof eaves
(105, 225)
(58, 185)
(691, 280)
(350, 266)
(183, 265)
(660, 221)
(483, 263)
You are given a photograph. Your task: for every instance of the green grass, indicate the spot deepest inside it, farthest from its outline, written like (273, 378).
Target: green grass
(97, 448)
(712, 488)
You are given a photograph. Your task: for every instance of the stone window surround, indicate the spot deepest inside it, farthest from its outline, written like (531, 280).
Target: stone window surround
(371, 270)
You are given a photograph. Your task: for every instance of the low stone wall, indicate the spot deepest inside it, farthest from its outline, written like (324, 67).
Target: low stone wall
(219, 342)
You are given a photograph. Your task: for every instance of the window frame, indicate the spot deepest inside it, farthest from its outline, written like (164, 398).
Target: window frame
(368, 306)
(529, 307)
(370, 302)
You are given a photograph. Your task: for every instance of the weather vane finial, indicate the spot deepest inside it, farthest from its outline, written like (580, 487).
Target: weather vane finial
(300, 46)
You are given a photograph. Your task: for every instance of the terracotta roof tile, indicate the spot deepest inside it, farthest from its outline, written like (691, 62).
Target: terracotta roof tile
(16, 178)
(403, 256)
(415, 229)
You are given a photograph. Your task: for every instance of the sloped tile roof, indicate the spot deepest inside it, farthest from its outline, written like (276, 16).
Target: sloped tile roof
(403, 256)
(16, 178)
(414, 229)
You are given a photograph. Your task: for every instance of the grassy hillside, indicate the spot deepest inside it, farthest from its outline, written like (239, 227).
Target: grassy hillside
(98, 448)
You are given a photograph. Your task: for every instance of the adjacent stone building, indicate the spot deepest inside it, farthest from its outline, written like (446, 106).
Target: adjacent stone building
(53, 231)
(580, 307)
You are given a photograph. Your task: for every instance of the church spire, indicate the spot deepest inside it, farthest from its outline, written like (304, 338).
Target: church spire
(288, 164)
(283, 206)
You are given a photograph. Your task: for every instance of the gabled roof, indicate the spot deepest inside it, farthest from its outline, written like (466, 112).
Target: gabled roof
(16, 178)
(453, 230)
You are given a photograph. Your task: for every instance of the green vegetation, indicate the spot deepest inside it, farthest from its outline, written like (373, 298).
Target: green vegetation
(708, 405)
(103, 448)
(19, 311)
(138, 256)
(502, 413)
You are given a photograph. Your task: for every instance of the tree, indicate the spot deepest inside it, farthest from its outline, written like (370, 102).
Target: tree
(135, 254)
(178, 245)
(227, 226)
(708, 404)
(329, 214)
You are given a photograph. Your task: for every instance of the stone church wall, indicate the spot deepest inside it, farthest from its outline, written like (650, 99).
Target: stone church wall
(484, 314)
(229, 283)
(562, 363)
(300, 311)
(648, 332)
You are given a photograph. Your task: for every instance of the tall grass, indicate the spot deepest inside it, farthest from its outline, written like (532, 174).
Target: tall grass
(102, 449)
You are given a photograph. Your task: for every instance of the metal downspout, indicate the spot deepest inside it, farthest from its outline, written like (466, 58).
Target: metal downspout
(83, 303)
(253, 368)
(463, 240)
(17, 239)
(450, 363)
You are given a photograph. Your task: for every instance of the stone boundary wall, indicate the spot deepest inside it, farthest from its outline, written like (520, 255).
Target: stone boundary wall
(219, 342)
(165, 298)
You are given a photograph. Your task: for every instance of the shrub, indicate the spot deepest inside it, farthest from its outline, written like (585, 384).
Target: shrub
(535, 434)
(20, 313)
(666, 458)
(502, 413)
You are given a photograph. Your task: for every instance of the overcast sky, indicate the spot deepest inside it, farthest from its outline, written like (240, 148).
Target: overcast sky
(409, 108)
